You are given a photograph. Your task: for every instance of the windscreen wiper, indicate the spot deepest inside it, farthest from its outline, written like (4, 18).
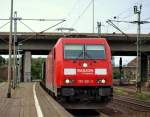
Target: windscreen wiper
(79, 55)
(87, 55)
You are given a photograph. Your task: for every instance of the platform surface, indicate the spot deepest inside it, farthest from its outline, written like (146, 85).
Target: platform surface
(22, 102)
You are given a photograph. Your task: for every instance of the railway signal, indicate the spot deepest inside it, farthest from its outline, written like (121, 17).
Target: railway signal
(120, 68)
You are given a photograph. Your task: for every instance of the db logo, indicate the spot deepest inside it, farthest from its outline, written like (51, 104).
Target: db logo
(85, 71)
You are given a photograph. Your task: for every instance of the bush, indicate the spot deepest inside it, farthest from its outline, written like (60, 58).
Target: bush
(116, 75)
(36, 68)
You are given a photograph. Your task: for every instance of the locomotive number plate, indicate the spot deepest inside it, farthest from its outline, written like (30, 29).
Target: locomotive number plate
(85, 81)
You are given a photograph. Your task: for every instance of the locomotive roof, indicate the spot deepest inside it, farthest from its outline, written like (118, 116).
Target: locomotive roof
(83, 40)
(66, 38)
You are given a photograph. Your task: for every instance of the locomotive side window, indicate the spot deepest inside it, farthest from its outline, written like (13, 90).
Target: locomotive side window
(73, 51)
(94, 52)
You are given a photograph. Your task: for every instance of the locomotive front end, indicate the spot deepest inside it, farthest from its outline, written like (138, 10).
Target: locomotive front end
(87, 72)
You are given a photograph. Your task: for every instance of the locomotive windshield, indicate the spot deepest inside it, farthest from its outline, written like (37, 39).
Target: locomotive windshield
(94, 52)
(72, 51)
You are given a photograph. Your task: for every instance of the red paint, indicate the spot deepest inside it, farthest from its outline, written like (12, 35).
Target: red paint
(85, 76)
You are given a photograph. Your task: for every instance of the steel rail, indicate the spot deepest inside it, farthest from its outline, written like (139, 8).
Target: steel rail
(145, 107)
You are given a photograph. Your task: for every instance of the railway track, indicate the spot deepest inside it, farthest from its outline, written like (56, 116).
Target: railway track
(122, 106)
(86, 113)
(73, 112)
(83, 112)
(132, 103)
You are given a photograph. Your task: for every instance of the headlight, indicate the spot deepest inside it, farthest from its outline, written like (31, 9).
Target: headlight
(100, 81)
(101, 71)
(103, 81)
(69, 71)
(69, 81)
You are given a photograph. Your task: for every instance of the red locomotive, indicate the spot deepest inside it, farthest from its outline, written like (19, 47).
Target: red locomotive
(79, 70)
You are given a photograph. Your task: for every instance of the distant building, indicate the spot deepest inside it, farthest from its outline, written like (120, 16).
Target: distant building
(133, 64)
(129, 71)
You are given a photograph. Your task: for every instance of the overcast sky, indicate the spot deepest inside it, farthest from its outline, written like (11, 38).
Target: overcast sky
(78, 14)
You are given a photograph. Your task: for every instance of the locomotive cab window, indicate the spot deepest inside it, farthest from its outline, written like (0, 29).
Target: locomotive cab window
(95, 52)
(73, 51)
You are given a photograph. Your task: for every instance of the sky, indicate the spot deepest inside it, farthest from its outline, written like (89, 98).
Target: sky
(77, 13)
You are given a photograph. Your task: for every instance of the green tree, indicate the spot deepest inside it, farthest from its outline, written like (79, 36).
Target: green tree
(36, 68)
(116, 75)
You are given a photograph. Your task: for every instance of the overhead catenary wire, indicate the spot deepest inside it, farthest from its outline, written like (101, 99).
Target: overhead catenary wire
(61, 20)
(127, 10)
(131, 22)
(147, 18)
(26, 26)
(121, 13)
(141, 22)
(44, 19)
(1, 28)
(125, 17)
(69, 14)
(142, 2)
(120, 21)
(4, 19)
(4, 25)
(52, 26)
(112, 24)
(73, 7)
(82, 13)
(38, 33)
